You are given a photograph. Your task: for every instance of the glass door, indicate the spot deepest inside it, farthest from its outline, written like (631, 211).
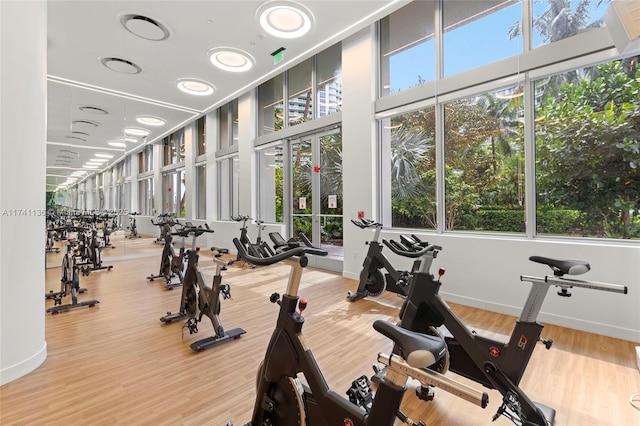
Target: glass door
(316, 194)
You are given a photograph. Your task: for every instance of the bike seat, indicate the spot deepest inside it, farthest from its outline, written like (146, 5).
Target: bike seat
(419, 350)
(561, 267)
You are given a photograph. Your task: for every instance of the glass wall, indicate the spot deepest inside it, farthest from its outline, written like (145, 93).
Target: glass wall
(588, 151)
(559, 19)
(145, 159)
(313, 89)
(228, 135)
(173, 197)
(271, 105)
(329, 80)
(270, 184)
(201, 191)
(476, 32)
(299, 93)
(228, 189)
(174, 148)
(459, 165)
(409, 163)
(484, 162)
(407, 47)
(201, 136)
(145, 197)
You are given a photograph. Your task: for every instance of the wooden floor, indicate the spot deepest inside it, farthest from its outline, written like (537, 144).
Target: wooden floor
(117, 364)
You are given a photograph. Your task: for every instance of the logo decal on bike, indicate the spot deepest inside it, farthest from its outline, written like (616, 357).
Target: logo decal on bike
(522, 343)
(494, 352)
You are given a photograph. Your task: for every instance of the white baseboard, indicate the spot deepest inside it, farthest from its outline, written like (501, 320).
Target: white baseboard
(23, 367)
(574, 323)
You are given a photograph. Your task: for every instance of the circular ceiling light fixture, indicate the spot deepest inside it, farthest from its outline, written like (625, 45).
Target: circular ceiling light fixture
(285, 19)
(145, 27)
(123, 66)
(93, 109)
(85, 123)
(120, 140)
(231, 59)
(117, 144)
(102, 155)
(136, 131)
(150, 120)
(195, 87)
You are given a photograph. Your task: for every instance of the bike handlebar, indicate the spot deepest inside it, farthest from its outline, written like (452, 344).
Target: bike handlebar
(412, 254)
(365, 223)
(196, 230)
(263, 261)
(241, 218)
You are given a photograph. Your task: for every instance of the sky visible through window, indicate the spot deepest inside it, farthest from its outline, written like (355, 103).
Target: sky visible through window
(479, 42)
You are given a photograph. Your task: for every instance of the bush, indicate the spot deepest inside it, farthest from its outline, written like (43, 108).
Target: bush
(559, 221)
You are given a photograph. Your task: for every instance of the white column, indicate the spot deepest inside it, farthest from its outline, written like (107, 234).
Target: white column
(358, 142)
(23, 115)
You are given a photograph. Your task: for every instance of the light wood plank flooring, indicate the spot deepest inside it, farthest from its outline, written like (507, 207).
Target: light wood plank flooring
(116, 364)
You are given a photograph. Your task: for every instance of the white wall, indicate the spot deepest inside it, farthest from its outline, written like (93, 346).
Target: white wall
(484, 272)
(23, 96)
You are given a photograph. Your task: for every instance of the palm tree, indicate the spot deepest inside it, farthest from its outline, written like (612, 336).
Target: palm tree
(408, 147)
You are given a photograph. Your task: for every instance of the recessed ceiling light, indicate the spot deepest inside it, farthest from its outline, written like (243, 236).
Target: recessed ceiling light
(136, 131)
(121, 139)
(150, 120)
(145, 27)
(85, 123)
(93, 109)
(117, 144)
(231, 59)
(285, 19)
(101, 155)
(120, 65)
(90, 167)
(99, 160)
(195, 87)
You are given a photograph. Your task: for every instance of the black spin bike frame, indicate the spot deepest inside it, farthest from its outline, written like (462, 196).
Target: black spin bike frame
(494, 364)
(288, 355)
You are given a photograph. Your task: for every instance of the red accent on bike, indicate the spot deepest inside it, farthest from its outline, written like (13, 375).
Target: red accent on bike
(348, 422)
(302, 305)
(197, 249)
(441, 271)
(494, 352)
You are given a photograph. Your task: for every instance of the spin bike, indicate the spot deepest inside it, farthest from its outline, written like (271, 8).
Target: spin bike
(372, 282)
(133, 229)
(69, 285)
(171, 263)
(92, 256)
(281, 399)
(492, 363)
(51, 237)
(258, 249)
(199, 300)
(165, 223)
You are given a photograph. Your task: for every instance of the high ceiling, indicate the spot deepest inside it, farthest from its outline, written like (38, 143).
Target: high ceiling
(111, 62)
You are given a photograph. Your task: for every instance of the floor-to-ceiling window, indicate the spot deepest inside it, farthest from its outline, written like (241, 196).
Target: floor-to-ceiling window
(522, 109)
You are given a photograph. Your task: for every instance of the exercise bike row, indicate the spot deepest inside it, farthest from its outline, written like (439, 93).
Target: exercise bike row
(425, 357)
(494, 364)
